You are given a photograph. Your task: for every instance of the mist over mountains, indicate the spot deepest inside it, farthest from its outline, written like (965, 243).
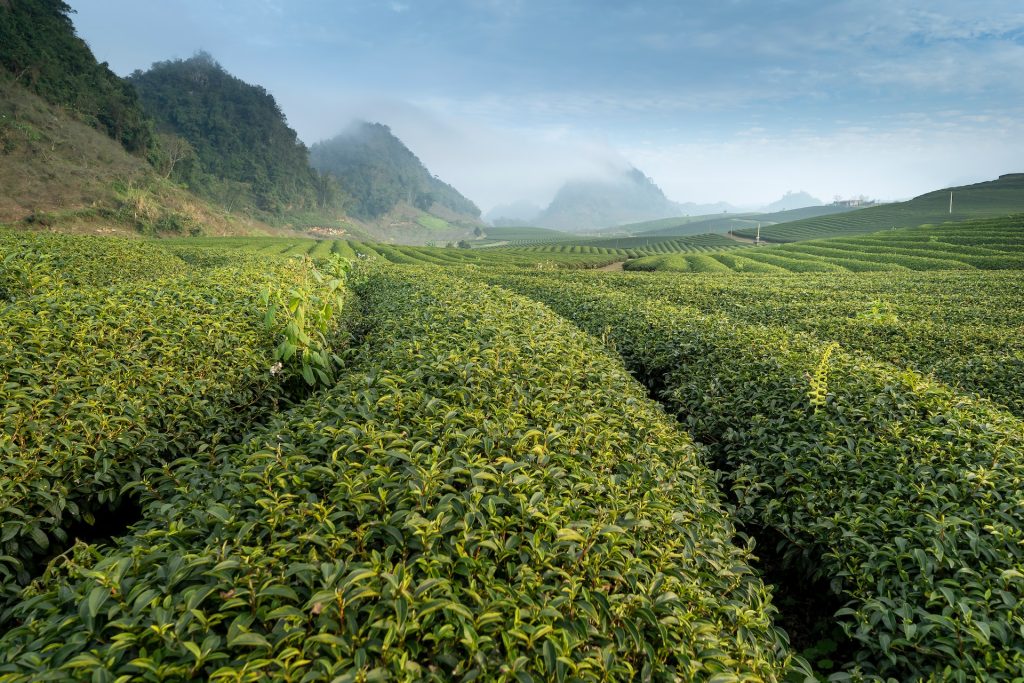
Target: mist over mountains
(627, 196)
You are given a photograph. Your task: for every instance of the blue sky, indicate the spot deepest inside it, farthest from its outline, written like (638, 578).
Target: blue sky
(737, 100)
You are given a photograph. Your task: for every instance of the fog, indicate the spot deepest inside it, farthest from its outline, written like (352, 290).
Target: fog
(489, 165)
(496, 164)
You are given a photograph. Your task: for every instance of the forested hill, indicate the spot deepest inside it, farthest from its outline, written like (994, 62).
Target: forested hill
(378, 171)
(40, 50)
(239, 142)
(627, 197)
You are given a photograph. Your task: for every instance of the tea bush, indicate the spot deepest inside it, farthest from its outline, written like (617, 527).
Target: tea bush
(906, 495)
(99, 383)
(485, 494)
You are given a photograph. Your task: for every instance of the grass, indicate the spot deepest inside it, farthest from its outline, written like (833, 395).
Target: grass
(433, 222)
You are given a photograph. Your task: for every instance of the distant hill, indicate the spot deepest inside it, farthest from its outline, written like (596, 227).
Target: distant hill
(40, 50)
(240, 150)
(993, 198)
(793, 200)
(722, 223)
(379, 172)
(627, 197)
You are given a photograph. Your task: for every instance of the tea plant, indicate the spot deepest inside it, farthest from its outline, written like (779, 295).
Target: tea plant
(484, 494)
(99, 383)
(903, 493)
(304, 317)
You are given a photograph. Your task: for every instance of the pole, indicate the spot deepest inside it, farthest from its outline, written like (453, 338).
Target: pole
(951, 202)
(757, 240)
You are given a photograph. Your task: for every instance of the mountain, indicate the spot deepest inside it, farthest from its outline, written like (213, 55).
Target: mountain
(627, 197)
(379, 173)
(238, 148)
(40, 50)
(518, 213)
(58, 172)
(793, 200)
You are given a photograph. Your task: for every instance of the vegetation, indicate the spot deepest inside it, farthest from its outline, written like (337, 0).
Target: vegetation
(483, 492)
(981, 200)
(379, 172)
(114, 362)
(895, 488)
(39, 49)
(228, 140)
(986, 244)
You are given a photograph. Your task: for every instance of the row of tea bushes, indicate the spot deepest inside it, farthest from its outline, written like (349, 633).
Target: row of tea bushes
(100, 383)
(33, 263)
(485, 495)
(963, 327)
(905, 494)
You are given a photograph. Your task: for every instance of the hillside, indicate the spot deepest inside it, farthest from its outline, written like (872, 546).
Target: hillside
(981, 200)
(722, 223)
(40, 50)
(240, 150)
(380, 173)
(59, 172)
(626, 197)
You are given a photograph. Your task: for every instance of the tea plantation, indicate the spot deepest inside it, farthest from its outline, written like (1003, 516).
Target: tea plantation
(281, 459)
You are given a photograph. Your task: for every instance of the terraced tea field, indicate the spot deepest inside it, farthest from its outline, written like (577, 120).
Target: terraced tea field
(990, 199)
(286, 459)
(987, 244)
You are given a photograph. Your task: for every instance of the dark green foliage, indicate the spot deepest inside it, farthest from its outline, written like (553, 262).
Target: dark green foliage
(244, 149)
(378, 172)
(39, 48)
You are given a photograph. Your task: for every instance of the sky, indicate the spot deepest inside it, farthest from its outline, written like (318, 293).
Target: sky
(733, 100)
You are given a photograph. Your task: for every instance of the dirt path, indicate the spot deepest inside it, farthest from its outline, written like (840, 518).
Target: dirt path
(612, 267)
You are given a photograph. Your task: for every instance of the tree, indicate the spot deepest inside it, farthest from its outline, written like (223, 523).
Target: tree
(170, 153)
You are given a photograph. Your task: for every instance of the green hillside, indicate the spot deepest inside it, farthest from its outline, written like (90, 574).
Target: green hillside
(993, 198)
(518, 235)
(58, 172)
(240, 149)
(731, 222)
(40, 50)
(984, 244)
